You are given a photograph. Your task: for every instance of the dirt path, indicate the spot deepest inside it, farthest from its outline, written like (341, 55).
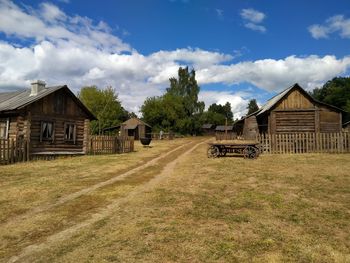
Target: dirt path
(111, 208)
(85, 191)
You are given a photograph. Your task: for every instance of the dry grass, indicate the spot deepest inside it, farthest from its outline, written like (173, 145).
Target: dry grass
(277, 208)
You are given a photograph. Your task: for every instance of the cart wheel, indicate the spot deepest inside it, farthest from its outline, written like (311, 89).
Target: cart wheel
(213, 152)
(250, 152)
(223, 152)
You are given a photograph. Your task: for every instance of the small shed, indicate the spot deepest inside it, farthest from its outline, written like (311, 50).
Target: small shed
(136, 128)
(208, 129)
(223, 132)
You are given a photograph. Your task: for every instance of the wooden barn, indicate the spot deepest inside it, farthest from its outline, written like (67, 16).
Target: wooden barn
(136, 128)
(295, 111)
(52, 119)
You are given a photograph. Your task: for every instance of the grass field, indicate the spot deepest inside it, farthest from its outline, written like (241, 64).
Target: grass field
(181, 208)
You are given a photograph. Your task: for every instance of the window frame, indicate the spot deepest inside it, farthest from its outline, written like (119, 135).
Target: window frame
(73, 140)
(7, 121)
(43, 139)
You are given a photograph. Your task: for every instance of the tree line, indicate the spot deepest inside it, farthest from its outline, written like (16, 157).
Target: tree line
(179, 109)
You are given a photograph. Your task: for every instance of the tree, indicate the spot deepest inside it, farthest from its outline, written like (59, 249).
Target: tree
(217, 114)
(335, 92)
(178, 109)
(252, 106)
(104, 104)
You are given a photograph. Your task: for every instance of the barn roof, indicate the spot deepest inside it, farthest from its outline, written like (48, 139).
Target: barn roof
(207, 126)
(10, 101)
(222, 128)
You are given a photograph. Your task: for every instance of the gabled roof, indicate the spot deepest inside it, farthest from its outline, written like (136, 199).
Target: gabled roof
(133, 122)
(16, 100)
(207, 126)
(346, 123)
(222, 128)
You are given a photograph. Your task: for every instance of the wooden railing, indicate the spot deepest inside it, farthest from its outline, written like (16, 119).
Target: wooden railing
(104, 144)
(13, 151)
(304, 143)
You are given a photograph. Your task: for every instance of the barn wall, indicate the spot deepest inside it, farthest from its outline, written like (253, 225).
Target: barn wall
(293, 121)
(295, 100)
(330, 121)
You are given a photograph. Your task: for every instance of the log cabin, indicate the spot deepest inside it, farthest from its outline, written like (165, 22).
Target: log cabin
(295, 111)
(52, 119)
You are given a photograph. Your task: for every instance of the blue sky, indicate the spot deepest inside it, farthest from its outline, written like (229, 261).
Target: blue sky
(239, 49)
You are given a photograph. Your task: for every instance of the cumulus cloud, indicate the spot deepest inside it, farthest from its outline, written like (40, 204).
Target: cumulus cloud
(335, 24)
(255, 27)
(252, 15)
(253, 19)
(238, 103)
(78, 51)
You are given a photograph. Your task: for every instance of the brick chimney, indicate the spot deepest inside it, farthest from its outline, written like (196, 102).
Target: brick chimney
(37, 86)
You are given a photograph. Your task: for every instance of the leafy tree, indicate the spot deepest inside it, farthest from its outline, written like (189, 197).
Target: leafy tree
(217, 114)
(335, 92)
(104, 104)
(178, 109)
(252, 106)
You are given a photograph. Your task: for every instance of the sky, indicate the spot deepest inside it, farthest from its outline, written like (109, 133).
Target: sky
(240, 49)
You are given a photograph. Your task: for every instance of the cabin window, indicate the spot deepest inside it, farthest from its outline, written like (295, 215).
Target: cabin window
(47, 131)
(4, 127)
(69, 132)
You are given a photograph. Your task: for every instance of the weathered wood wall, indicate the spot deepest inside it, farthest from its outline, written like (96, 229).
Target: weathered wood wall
(297, 113)
(60, 109)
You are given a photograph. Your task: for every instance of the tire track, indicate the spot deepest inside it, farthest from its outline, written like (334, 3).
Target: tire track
(108, 210)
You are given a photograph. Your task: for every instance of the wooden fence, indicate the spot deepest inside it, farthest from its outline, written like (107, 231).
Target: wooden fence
(304, 143)
(13, 151)
(104, 144)
(166, 135)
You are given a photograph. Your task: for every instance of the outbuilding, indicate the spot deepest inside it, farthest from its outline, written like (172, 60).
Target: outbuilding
(295, 111)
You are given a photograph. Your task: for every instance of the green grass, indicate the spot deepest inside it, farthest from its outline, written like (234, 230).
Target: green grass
(278, 208)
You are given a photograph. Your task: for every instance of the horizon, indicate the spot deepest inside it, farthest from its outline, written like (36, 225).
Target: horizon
(240, 50)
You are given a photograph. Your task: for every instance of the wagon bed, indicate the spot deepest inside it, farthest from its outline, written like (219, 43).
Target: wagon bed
(248, 149)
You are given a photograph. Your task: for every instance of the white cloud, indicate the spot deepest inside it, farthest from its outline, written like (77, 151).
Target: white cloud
(335, 24)
(253, 19)
(252, 15)
(78, 52)
(255, 27)
(219, 13)
(238, 103)
(274, 75)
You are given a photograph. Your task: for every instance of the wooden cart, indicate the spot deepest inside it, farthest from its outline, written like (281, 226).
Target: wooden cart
(248, 150)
